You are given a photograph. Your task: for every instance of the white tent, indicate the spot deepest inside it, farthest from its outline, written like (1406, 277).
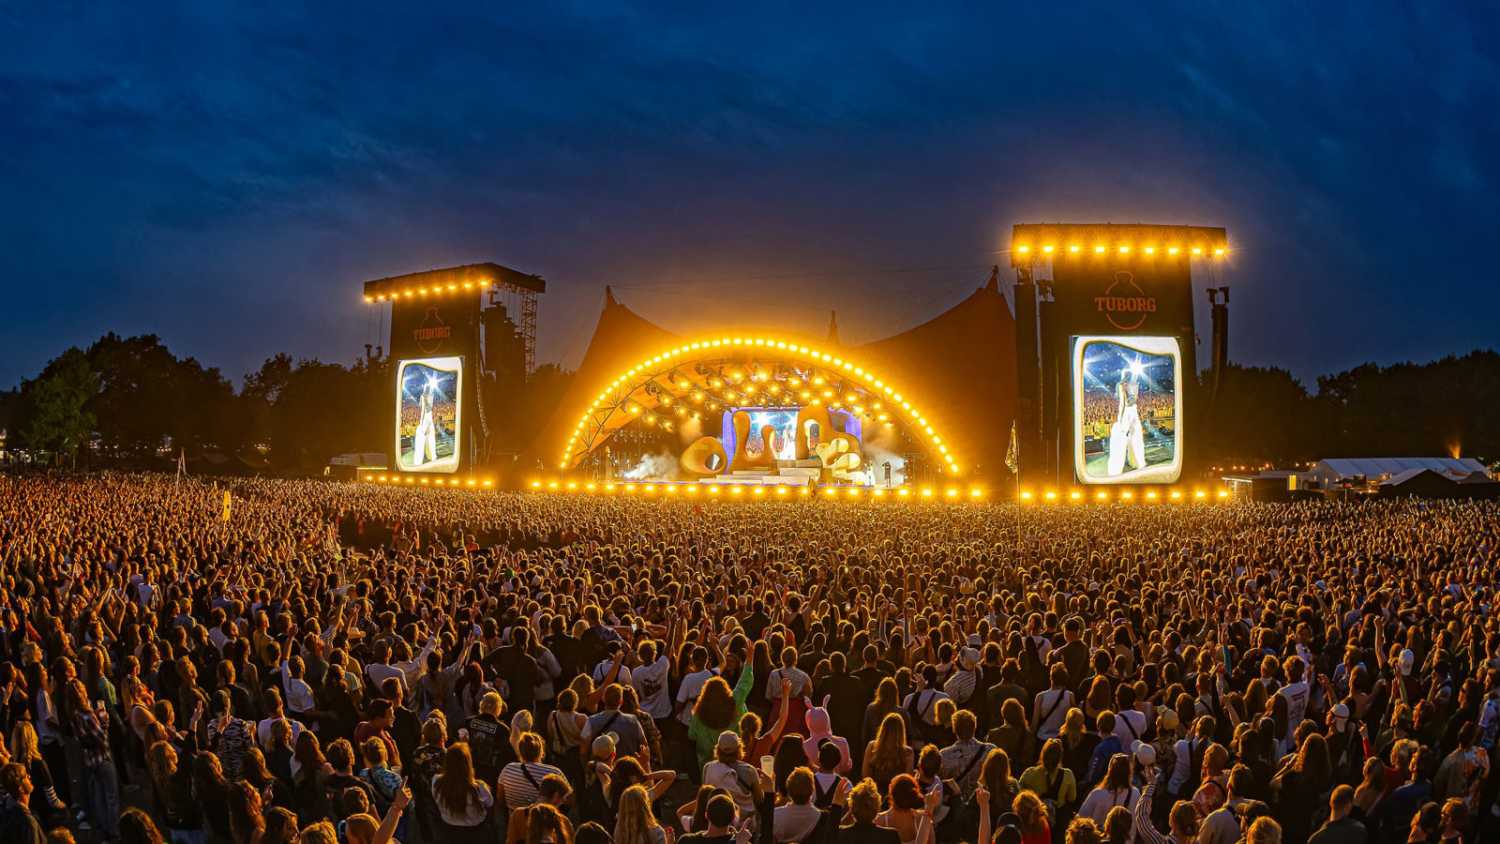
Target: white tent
(1337, 470)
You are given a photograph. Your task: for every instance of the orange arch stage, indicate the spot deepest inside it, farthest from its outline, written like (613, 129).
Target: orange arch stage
(765, 406)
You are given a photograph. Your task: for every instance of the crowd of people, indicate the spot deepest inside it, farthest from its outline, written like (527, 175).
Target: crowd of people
(1101, 408)
(326, 662)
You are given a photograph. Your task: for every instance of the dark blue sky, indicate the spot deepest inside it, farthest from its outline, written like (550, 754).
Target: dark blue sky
(226, 176)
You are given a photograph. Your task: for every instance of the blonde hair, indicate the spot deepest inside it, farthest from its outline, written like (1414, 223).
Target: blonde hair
(1264, 831)
(864, 800)
(321, 832)
(635, 821)
(490, 704)
(25, 747)
(360, 828)
(943, 711)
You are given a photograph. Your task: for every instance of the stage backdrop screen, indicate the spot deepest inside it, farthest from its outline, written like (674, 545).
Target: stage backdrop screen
(1127, 409)
(428, 414)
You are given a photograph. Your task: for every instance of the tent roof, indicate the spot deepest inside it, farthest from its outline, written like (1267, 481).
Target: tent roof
(1454, 468)
(960, 366)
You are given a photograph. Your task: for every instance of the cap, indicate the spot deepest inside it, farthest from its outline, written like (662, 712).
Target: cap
(1167, 720)
(729, 740)
(1145, 754)
(1406, 661)
(1341, 711)
(604, 746)
(968, 657)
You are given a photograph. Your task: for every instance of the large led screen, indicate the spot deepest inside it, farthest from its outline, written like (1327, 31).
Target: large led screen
(428, 423)
(1127, 410)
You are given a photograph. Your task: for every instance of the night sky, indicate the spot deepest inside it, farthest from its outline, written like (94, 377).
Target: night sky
(225, 176)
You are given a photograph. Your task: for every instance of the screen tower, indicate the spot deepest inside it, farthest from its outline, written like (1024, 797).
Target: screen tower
(1106, 350)
(438, 325)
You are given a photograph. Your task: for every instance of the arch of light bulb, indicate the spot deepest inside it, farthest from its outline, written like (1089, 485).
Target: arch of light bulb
(631, 379)
(1050, 249)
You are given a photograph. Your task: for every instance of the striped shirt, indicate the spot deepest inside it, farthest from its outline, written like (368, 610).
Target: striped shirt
(521, 782)
(1145, 830)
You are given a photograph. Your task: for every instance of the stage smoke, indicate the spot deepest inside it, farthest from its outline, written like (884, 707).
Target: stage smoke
(881, 442)
(661, 466)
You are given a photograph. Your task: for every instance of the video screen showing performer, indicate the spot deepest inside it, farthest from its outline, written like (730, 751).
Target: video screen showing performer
(427, 414)
(1127, 409)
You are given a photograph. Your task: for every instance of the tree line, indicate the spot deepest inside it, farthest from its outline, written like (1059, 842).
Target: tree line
(1445, 407)
(130, 401)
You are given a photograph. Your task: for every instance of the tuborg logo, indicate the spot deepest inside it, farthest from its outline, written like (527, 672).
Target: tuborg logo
(1124, 303)
(432, 333)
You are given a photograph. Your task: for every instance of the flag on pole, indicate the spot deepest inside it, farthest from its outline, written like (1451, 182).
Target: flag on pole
(225, 515)
(1013, 453)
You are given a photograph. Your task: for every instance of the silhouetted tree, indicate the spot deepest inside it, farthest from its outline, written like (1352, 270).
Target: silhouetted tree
(55, 415)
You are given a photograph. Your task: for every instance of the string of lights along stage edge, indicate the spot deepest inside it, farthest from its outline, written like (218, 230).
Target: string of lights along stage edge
(668, 490)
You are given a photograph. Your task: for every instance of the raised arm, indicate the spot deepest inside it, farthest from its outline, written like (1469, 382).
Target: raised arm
(746, 681)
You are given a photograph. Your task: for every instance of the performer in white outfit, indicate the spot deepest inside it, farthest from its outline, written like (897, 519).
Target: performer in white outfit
(424, 444)
(1126, 436)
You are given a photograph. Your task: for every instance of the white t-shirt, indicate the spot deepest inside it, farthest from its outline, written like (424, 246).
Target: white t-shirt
(602, 670)
(650, 683)
(263, 731)
(801, 683)
(1296, 704)
(735, 779)
(687, 693)
(1100, 801)
(924, 703)
(1136, 730)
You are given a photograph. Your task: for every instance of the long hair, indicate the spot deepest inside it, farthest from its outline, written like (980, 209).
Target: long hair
(245, 817)
(161, 763)
(715, 705)
(1033, 814)
(136, 827)
(700, 806)
(1312, 761)
(1117, 775)
(208, 777)
(543, 818)
(25, 747)
(308, 753)
(635, 820)
(889, 754)
(626, 772)
(456, 787)
(887, 695)
(1118, 825)
(994, 772)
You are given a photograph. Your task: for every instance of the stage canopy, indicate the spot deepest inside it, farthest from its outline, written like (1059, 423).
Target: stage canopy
(948, 383)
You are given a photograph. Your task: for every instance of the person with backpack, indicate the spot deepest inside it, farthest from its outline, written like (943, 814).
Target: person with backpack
(1051, 780)
(1187, 770)
(1114, 789)
(921, 707)
(1050, 707)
